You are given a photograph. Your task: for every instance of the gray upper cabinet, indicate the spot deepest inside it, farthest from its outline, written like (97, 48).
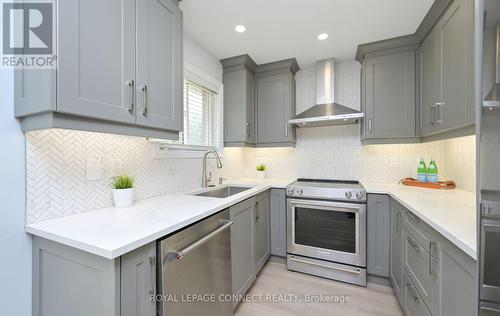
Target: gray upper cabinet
(276, 103)
(262, 230)
(278, 222)
(379, 234)
(389, 96)
(446, 66)
(96, 59)
(119, 71)
(159, 64)
(239, 101)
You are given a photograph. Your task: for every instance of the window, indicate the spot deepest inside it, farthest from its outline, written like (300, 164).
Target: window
(202, 129)
(201, 116)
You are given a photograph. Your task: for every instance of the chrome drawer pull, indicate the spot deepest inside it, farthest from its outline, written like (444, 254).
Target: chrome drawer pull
(152, 262)
(413, 244)
(412, 292)
(325, 266)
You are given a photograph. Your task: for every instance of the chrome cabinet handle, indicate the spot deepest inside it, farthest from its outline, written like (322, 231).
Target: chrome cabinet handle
(413, 244)
(286, 129)
(439, 110)
(433, 114)
(370, 126)
(145, 100)
(180, 254)
(152, 262)
(398, 221)
(412, 292)
(131, 84)
(432, 258)
(257, 211)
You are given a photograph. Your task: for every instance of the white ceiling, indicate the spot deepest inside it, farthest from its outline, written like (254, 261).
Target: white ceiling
(278, 29)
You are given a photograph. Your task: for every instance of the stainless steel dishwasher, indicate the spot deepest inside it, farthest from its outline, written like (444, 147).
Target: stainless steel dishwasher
(195, 274)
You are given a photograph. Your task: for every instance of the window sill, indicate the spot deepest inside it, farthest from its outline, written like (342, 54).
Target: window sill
(179, 151)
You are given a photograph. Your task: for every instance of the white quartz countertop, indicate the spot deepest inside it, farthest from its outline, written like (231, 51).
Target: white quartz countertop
(452, 213)
(112, 232)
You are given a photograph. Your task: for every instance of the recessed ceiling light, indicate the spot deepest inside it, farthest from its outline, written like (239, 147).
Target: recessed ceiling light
(323, 36)
(240, 28)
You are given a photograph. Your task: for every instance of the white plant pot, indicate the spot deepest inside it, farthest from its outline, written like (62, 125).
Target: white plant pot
(123, 197)
(261, 174)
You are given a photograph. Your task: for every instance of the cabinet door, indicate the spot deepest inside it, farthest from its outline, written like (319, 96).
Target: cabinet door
(456, 66)
(262, 231)
(242, 245)
(138, 281)
(456, 277)
(278, 222)
(390, 96)
(96, 59)
(274, 108)
(396, 267)
(379, 234)
(159, 64)
(429, 84)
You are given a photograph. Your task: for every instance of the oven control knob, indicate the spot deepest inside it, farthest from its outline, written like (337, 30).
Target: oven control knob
(359, 195)
(299, 191)
(290, 191)
(348, 194)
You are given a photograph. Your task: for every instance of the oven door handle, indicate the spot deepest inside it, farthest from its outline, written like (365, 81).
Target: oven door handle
(340, 205)
(325, 266)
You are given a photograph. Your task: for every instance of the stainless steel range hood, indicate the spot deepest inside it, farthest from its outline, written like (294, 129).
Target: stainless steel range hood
(326, 111)
(493, 97)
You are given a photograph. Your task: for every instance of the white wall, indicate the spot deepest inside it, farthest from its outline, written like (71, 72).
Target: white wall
(197, 56)
(15, 244)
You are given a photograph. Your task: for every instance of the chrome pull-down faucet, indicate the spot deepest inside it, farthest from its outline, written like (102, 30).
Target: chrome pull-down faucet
(204, 178)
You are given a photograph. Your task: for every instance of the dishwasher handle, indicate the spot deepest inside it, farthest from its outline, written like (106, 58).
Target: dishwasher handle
(180, 254)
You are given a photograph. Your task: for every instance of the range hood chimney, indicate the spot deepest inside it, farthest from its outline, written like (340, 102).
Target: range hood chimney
(493, 97)
(326, 111)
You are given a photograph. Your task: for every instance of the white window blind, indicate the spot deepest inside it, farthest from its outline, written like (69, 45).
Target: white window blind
(202, 116)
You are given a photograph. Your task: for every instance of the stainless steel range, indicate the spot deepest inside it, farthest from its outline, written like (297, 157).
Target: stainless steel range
(326, 229)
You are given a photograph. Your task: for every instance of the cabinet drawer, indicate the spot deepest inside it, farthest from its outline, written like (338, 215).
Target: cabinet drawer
(417, 264)
(421, 232)
(413, 304)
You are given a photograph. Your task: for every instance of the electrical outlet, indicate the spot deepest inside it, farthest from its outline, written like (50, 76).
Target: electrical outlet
(94, 169)
(115, 168)
(393, 162)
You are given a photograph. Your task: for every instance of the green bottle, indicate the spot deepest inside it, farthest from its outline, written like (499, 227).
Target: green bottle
(422, 171)
(432, 172)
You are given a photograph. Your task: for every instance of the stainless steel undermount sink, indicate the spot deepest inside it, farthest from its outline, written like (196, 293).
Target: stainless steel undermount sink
(223, 192)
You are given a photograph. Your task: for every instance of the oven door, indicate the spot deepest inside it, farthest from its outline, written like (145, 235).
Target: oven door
(490, 260)
(332, 231)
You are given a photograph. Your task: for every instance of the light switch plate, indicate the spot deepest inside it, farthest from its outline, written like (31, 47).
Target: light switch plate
(115, 168)
(94, 169)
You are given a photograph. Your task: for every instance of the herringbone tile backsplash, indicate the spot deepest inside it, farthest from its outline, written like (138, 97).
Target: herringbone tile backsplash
(57, 159)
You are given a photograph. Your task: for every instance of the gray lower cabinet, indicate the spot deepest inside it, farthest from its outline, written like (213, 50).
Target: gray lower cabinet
(119, 70)
(239, 101)
(276, 103)
(278, 222)
(139, 281)
(389, 96)
(68, 281)
(379, 234)
(430, 275)
(242, 246)
(447, 71)
(396, 262)
(262, 230)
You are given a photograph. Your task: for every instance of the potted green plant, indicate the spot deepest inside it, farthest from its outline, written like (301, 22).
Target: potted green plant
(261, 171)
(123, 191)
